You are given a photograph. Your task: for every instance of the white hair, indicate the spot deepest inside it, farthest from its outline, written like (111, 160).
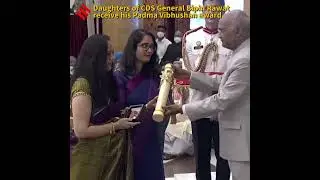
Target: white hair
(240, 20)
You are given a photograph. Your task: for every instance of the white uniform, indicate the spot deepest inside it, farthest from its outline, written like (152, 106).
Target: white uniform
(195, 44)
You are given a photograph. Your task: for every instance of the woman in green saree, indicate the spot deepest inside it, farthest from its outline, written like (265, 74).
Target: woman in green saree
(102, 147)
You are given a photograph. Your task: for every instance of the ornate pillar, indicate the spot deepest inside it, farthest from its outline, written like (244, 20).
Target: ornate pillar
(90, 20)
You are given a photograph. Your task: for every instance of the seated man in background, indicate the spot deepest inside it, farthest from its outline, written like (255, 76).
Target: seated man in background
(178, 138)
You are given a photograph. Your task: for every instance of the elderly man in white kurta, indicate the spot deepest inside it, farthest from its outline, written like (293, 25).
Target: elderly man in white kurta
(232, 102)
(203, 52)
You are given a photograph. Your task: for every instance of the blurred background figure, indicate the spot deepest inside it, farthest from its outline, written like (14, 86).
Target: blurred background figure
(73, 61)
(117, 57)
(162, 42)
(173, 52)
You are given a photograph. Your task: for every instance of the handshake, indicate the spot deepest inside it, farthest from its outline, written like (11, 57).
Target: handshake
(178, 73)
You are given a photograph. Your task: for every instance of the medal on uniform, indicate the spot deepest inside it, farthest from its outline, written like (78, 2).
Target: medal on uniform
(198, 45)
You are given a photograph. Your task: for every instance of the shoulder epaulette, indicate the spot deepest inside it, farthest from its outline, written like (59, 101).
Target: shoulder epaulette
(191, 31)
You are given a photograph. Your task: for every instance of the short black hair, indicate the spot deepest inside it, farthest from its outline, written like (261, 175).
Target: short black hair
(221, 2)
(161, 26)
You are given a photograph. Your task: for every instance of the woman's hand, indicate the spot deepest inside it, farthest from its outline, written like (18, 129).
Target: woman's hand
(125, 123)
(152, 104)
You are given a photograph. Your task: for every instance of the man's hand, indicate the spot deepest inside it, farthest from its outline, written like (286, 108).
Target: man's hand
(152, 104)
(180, 73)
(172, 109)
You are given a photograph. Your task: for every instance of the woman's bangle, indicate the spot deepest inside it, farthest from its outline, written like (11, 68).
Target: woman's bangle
(113, 128)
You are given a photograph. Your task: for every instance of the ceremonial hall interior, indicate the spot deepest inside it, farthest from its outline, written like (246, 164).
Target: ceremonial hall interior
(176, 167)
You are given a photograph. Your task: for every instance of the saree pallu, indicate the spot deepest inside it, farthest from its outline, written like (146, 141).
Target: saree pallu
(104, 158)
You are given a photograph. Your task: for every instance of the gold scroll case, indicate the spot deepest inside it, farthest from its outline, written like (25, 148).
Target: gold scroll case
(166, 83)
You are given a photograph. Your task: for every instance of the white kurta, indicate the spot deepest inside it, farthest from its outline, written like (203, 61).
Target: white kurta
(178, 139)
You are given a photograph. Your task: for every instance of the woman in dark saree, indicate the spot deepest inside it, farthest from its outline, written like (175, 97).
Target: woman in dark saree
(138, 83)
(100, 143)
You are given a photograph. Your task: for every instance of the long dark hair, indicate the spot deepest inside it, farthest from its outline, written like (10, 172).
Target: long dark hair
(129, 58)
(91, 65)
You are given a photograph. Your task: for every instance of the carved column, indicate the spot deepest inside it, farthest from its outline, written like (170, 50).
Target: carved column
(90, 20)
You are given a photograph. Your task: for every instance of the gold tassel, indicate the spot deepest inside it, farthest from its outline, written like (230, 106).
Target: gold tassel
(201, 66)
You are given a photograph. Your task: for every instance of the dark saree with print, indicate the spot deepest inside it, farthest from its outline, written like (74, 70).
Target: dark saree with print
(104, 158)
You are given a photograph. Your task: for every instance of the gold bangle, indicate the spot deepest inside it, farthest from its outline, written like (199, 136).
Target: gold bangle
(110, 131)
(80, 93)
(114, 127)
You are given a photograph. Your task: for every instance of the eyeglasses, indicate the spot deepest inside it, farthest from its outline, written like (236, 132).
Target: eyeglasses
(146, 46)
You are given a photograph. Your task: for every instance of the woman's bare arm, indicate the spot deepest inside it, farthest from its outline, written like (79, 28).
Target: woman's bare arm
(81, 110)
